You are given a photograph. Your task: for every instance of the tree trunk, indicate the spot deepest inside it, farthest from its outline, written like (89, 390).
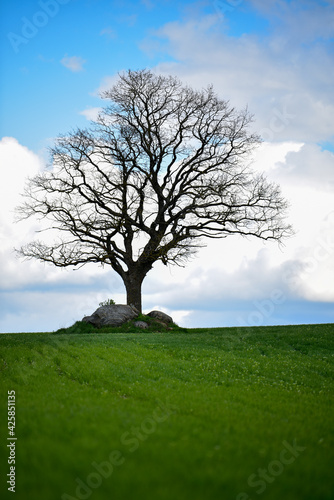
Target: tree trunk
(133, 283)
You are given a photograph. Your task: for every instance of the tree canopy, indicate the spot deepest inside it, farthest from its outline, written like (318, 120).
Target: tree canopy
(163, 168)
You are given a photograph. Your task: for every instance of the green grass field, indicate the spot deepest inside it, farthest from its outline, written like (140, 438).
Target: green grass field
(215, 414)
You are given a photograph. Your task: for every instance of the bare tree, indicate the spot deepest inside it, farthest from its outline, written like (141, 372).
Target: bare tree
(163, 167)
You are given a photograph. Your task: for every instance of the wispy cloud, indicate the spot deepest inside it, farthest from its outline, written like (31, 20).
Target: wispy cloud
(73, 63)
(91, 113)
(286, 84)
(129, 20)
(106, 83)
(108, 33)
(148, 4)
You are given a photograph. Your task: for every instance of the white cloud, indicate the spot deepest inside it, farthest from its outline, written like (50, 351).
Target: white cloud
(107, 83)
(288, 88)
(91, 113)
(316, 277)
(36, 296)
(73, 63)
(302, 21)
(16, 164)
(234, 274)
(271, 154)
(309, 165)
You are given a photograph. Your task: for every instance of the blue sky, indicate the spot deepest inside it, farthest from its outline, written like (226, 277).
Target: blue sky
(103, 37)
(275, 56)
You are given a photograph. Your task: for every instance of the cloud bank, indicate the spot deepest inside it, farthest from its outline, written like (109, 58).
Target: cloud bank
(284, 72)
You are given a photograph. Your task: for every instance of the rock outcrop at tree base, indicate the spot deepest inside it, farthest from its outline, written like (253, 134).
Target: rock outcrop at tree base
(117, 314)
(141, 324)
(161, 316)
(113, 315)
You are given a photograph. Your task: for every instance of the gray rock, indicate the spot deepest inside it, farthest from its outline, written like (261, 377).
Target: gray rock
(113, 315)
(161, 316)
(140, 324)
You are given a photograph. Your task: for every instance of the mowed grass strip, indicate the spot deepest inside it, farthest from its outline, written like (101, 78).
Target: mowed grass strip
(225, 413)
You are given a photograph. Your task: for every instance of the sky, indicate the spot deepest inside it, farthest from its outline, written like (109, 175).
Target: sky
(273, 56)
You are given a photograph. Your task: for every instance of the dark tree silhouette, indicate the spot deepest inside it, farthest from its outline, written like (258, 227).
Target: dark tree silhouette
(164, 167)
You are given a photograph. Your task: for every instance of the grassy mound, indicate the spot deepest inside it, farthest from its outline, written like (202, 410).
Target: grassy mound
(128, 327)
